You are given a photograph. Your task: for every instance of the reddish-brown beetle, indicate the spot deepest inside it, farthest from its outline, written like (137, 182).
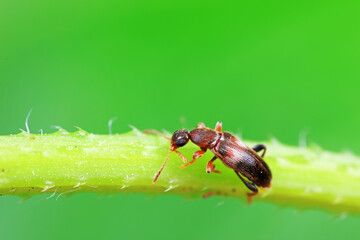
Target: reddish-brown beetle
(230, 150)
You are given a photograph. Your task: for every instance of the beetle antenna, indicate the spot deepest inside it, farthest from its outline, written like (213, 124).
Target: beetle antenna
(162, 167)
(157, 132)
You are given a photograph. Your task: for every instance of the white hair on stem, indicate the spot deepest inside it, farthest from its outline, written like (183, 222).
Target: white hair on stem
(27, 121)
(110, 124)
(302, 138)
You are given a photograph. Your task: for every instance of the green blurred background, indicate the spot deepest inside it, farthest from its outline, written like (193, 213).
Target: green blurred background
(264, 68)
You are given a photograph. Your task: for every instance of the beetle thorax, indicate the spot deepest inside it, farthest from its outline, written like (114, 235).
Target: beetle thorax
(205, 137)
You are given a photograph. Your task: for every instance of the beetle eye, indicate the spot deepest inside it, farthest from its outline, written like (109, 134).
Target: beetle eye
(180, 142)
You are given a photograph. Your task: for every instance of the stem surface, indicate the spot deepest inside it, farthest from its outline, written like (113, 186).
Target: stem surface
(65, 163)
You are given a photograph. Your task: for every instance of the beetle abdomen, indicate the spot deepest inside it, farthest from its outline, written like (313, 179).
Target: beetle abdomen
(255, 169)
(236, 155)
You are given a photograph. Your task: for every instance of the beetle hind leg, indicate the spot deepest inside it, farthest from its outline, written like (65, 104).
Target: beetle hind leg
(250, 186)
(250, 195)
(260, 147)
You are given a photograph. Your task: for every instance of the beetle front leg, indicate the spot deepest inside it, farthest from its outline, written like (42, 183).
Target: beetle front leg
(210, 166)
(183, 158)
(196, 155)
(260, 147)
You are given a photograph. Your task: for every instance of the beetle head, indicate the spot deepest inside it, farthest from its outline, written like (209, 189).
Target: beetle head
(179, 139)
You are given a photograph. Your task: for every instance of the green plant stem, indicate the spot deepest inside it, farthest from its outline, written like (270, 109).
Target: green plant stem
(65, 163)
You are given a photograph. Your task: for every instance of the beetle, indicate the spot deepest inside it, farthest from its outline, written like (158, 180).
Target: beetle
(234, 154)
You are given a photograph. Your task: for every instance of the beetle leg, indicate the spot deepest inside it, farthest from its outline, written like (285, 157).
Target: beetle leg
(210, 166)
(260, 147)
(200, 125)
(249, 196)
(218, 127)
(181, 155)
(196, 155)
(209, 194)
(156, 132)
(250, 186)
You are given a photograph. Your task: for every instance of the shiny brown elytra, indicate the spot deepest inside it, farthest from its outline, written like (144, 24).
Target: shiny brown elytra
(231, 151)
